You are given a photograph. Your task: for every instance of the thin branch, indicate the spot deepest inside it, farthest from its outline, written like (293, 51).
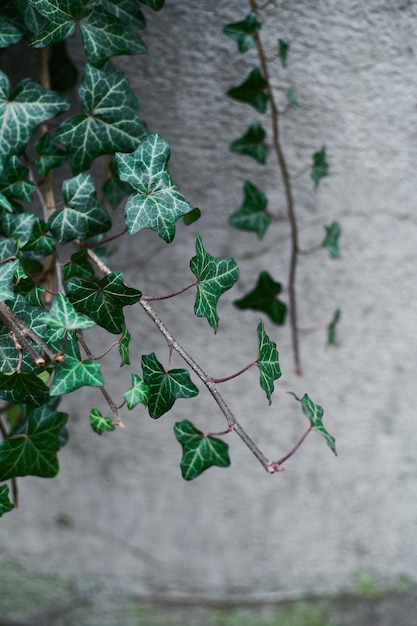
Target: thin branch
(96, 244)
(235, 375)
(169, 295)
(295, 448)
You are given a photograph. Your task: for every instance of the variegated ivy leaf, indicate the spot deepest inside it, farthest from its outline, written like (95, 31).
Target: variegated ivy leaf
(314, 413)
(40, 243)
(83, 216)
(22, 110)
(157, 203)
(252, 91)
(199, 451)
(18, 227)
(252, 215)
(63, 316)
(14, 181)
(243, 32)
(252, 143)
(73, 373)
(109, 119)
(214, 277)
(138, 393)
(267, 362)
(99, 423)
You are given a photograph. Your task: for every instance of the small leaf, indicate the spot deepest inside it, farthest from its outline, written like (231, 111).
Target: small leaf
(331, 240)
(292, 98)
(252, 91)
(10, 32)
(214, 276)
(5, 504)
(314, 412)
(99, 423)
(332, 328)
(64, 316)
(157, 203)
(320, 166)
(138, 393)
(78, 265)
(192, 216)
(252, 143)
(252, 215)
(40, 243)
(283, 52)
(199, 451)
(264, 298)
(14, 181)
(73, 373)
(242, 32)
(165, 386)
(7, 273)
(50, 155)
(267, 362)
(124, 343)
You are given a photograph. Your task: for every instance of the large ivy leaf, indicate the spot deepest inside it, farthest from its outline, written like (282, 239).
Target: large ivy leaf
(264, 298)
(252, 143)
(63, 316)
(72, 373)
(314, 412)
(104, 35)
(320, 167)
(22, 388)
(199, 451)
(99, 423)
(103, 300)
(31, 449)
(242, 32)
(157, 203)
(109, 119)
(252, 215)
(83, 216)
(331, 240)
(138, 393)
(267, 362)
(165, 386)
(22, 111)
(252, 91)
(5, 504)
(214, 276)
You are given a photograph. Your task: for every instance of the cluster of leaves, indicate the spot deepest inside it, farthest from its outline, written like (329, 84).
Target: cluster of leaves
(42, 342)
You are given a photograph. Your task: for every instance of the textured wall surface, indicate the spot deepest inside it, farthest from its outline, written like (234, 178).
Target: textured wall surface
(122, 514)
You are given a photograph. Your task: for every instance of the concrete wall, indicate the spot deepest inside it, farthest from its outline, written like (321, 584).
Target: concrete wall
(119, 511)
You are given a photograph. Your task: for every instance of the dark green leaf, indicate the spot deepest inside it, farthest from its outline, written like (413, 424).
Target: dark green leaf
(331, 240)
(31, 449)
(292, 98)
(103, 300)
(267, 362)
(109, 119)
(252, 215)
(50, 155)
(18, 227)
(264, 298)
(73, 373)
(63, 316)
(314, 412)
(165, 386)
(242, 32)
(199, 451)
(192, 216)
(78, 265)
(127, 11)
(252, 91)
(252, 143)
(7, 273)
(138, 393)
(32, 292)
(283, 52)
(156, 5)
(10, 32)
(214, 276)
(320, 166)
(114, 189)
(23, 389)
(40, 242)
(14, 181)
(157, 203)
(32, 20)
(5, 504)
(332, 328)
(124, 343)
(99, 423)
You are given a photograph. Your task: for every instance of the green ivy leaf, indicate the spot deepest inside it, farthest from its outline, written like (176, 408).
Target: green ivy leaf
(83, 216)
(252, 143)
(63, 316)
(73, 373)
(32, 292)
(78, 265)
(192, 216)
(214, 276)
(31, 449)
(199, 451)
(252, 91)
(18, 227)
(124, 344)
(99, 423)
(242, 32)
(332, 328)
(165, 386)
(22, 111)
(14, 181)
(252, 215)
(127, 11)
(138, 393)
(22, 388)
(10, 31)
(5, 504)
(40, 243)
(283, 52)
(267, 362)
(320, 166)
(331, 240)
(264, 298)
(314, 412)
(50, 155)
(292, 98)
(157, 203)
(7, 273)
(103, 300)
(32, 20)
(109, 119)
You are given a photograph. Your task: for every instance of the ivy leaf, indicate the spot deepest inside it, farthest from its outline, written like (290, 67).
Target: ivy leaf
(99, 423)
(23, 110)
(165, 386)
(332, 328)
(127, 11)
(40, 243)
(192, 216)
(78, 265)
(14, 181)
(138, 393)
(11, 30)
(18, 227)
(156, 5)
(157, 203)
(72, 373)
(32, 20)
(331, 240)
(264, 298)
(103, 300)
(252, 143)
(214, 277)
(109, 119)
(252, 215)
(242, 32)
(50, 155)
(22, 388)
(5, 504)
(267, 362)
(314, 412)
(31, 449)
(32, 292)
(7, 273)
(292, 98)
(252, 91)
(63, 316)
(283, 52)
(320, 166)
(124, 343)
(83, 216)
(199, 451)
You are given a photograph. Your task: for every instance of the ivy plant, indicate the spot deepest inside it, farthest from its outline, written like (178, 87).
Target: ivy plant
(47, 304)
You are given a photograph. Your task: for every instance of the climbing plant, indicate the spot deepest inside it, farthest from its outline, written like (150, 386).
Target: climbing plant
(55, 277)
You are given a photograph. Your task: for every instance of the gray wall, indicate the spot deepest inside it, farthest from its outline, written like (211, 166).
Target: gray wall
(119, 511)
